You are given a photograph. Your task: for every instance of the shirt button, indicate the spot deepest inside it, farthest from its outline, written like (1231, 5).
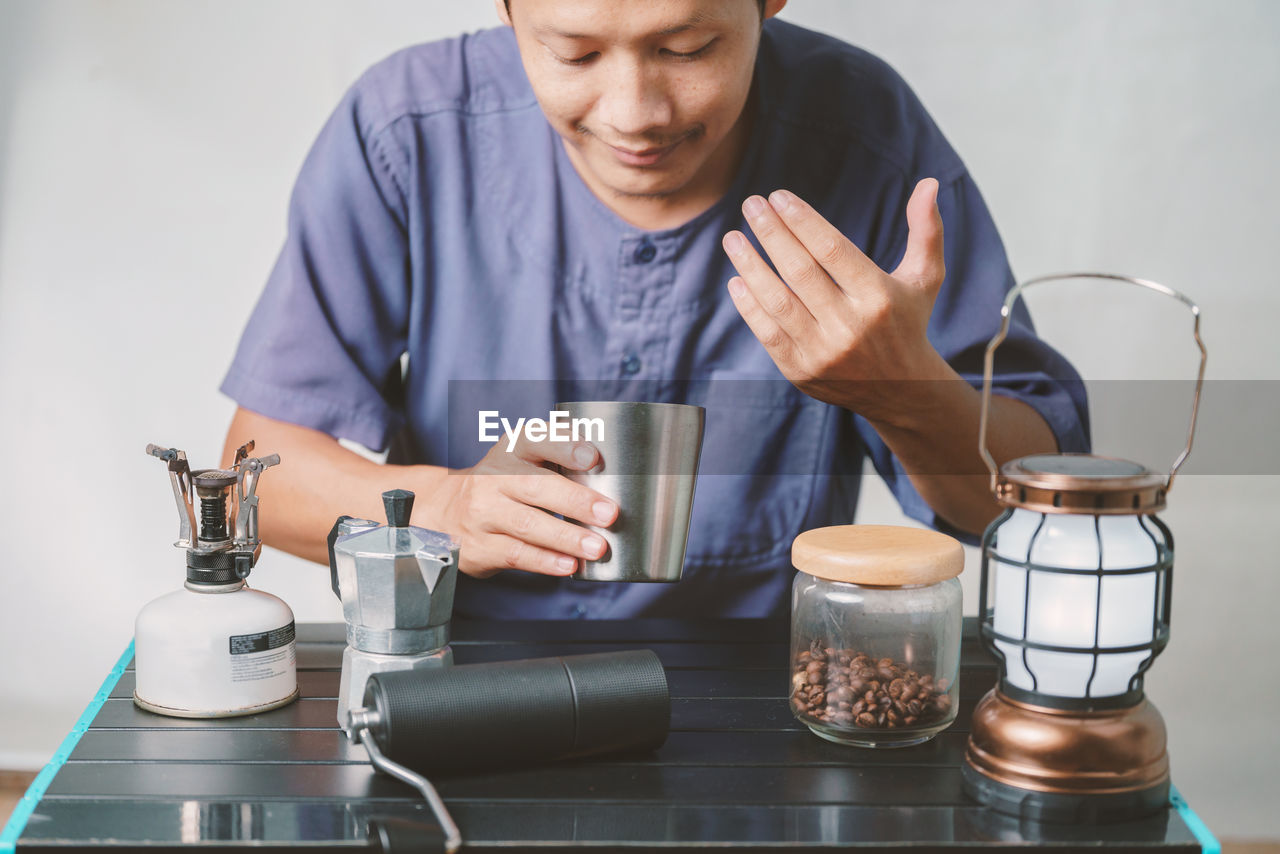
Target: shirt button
(631, 364)
(578, 610)
(645, 253)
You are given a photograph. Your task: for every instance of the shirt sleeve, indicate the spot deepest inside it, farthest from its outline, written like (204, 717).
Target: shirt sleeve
(322, 347)
(965, 318)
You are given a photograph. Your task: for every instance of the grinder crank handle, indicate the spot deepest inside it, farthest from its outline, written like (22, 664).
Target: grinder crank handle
(408, 833)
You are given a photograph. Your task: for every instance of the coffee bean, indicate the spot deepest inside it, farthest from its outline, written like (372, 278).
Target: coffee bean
(846, 687)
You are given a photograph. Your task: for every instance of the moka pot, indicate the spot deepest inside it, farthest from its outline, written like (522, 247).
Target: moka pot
(396, 583)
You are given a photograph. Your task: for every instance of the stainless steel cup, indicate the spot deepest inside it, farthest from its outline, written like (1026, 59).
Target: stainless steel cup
(649, 463)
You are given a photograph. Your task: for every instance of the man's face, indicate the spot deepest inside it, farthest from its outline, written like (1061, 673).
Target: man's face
(644, 92)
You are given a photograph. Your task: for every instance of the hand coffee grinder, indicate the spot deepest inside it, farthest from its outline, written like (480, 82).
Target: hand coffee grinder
(215, 648)
(396, 584)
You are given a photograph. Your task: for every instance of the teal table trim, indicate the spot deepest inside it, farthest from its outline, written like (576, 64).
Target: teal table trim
(1209, 844)
(18, 821)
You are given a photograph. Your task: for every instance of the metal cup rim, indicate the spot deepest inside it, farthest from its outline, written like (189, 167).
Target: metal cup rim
(630, 404)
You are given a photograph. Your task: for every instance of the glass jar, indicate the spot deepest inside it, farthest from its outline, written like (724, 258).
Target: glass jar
(875, 633)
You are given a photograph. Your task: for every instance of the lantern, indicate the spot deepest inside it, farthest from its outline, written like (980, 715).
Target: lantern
(1074, 602)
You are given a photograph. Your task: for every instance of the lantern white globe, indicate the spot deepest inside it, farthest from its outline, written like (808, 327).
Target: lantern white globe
(1070, 610)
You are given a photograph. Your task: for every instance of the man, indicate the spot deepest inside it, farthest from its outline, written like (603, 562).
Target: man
(568, 199)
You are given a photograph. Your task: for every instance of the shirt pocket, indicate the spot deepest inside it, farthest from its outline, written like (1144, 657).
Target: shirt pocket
(760, 450)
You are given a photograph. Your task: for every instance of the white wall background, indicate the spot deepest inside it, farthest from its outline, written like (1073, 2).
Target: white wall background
(147, 149)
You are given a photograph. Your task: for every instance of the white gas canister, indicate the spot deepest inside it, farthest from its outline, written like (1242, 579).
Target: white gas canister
(215, 650)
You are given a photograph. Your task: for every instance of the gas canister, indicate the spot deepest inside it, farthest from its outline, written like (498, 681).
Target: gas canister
(215, 648)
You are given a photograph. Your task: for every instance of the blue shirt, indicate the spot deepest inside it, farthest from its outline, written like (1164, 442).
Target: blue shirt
(438, 216)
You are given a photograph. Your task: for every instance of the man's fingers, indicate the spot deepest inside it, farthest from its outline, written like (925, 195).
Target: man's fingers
(790, 258)
(504, 552)
(776, 341)
(843, 261)
(578, 456)
(536, 527)
(923, 264)
(560, 495)
(770, 293)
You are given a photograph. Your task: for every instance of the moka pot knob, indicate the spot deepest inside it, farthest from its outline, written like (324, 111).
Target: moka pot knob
(399, 507)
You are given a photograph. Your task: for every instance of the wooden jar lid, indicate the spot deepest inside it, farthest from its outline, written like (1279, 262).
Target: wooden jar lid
(879, 555)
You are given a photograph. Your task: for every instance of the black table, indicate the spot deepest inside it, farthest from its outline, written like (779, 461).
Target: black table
(736, 770)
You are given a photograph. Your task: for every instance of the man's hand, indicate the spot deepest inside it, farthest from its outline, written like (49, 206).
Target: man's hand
(834, 322)
(501, 510)
(838, 326)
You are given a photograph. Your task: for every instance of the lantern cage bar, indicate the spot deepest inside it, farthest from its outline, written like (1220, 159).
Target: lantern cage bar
(1161, 617)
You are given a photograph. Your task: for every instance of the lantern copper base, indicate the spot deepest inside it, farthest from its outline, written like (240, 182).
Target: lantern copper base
(1048, 764)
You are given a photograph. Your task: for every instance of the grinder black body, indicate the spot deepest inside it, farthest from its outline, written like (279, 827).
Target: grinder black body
(484, 716)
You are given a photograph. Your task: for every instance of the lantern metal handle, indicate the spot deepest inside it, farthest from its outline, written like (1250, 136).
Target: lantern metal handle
(1006, 312)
